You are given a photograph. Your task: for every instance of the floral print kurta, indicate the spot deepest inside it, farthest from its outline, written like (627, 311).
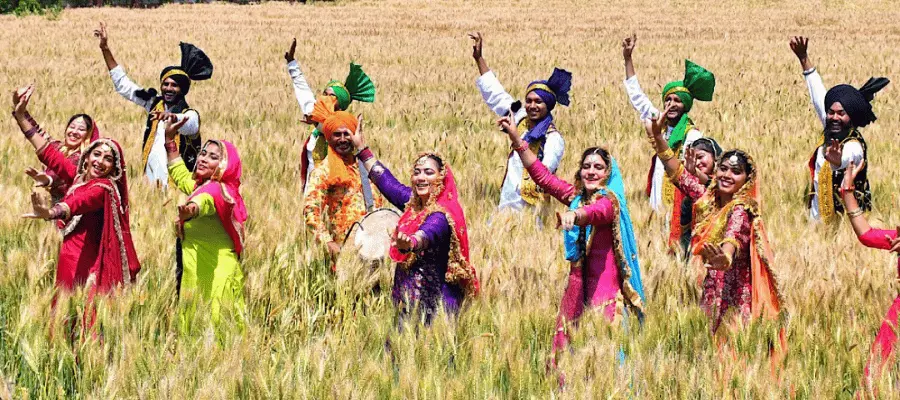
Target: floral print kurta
(330, 210)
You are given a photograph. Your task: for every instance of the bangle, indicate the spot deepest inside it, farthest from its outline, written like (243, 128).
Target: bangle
(520, 147)
(365, 154)
(855, 213)
(31, 132)
(171, 147)
(666, 155)
(414, 243)
(842, 190)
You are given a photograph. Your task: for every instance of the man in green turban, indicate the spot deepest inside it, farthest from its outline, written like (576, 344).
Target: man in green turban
(678, 98)
(357, 86)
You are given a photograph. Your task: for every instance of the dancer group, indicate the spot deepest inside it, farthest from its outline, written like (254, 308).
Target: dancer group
(709, 196)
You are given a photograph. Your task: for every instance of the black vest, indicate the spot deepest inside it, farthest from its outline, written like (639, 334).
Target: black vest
(863, 194)
(189, 147)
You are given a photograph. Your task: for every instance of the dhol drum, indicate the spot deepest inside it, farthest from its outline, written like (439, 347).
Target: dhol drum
(372, 234)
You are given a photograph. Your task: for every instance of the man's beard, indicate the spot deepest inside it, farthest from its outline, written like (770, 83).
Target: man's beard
(838, 135)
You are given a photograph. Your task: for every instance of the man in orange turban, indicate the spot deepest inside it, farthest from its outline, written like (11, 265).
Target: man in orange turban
(337, 194)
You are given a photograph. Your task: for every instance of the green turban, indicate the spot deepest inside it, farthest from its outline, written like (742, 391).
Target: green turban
(698, 83)
(357, 86)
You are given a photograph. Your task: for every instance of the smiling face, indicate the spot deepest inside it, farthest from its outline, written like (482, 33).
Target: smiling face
(170, 89)
(100, 162)
(731, 175)
(705, 161)
(208, 161)
(837, 120)
(426, 174)
(76, 132)
(535, 107)
(593, 173)
(341, 141)
(677, 110)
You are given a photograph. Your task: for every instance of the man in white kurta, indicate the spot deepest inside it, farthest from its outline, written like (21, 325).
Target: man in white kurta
(500, 101)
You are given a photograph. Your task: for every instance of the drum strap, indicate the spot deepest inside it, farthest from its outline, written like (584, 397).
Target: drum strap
(366, 187)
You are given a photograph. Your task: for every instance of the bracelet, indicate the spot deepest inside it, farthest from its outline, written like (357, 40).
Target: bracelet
(31, 132)
(414, 243)
(171, 147)
(521, 147)
(855, 213)
(365, 154)
(666, 155)
(59, 211)
(842, 190)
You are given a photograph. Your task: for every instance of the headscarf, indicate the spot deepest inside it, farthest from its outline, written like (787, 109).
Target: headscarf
(85, 141)
(856, 102)
(224, 186)
(358, 86)
(444, 198)
(711, 222)
(117, 261)
(331, 121)
(551, 91)
(577, 239)
(699, 84)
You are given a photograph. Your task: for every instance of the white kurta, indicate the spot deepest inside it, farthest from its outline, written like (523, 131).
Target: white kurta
(157, 161)
(851, 151)
(646, 110)
(499, 101)
(306, 99)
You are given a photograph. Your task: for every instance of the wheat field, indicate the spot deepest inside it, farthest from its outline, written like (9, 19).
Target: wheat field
(310, 334)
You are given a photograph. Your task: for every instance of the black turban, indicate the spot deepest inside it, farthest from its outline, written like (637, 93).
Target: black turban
(856, 102)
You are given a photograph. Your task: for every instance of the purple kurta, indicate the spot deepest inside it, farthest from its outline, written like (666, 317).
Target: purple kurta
(424, 281)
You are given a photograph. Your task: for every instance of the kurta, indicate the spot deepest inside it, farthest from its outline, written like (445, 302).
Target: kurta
(425, 280)
(852, 151)
(646, 110)
(157, 160)
(499, 101)
(211, 266)
(600, 276)
(727, 295)
(330, 210)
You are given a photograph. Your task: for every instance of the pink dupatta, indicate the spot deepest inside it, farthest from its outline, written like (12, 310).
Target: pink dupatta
(225, 188)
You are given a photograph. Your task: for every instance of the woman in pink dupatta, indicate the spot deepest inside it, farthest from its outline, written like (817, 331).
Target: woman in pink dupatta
(211, 223)
(883, 349)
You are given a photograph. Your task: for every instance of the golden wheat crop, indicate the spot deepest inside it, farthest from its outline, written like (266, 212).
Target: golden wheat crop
(310, 335)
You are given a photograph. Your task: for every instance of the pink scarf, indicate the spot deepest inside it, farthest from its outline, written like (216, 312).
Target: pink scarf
(225, 188)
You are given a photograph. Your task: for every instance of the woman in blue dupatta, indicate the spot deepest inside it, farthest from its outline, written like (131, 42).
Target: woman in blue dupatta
(599, 239)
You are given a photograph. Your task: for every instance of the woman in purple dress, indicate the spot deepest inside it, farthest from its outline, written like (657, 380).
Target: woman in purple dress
(431, 242)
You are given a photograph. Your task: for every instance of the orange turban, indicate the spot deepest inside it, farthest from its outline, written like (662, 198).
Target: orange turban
(338, 171)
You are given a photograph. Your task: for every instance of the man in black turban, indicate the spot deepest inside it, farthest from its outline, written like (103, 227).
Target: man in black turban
(843, 110)
(169, 107)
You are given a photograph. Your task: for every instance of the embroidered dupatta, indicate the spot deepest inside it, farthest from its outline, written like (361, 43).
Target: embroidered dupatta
(225, 189)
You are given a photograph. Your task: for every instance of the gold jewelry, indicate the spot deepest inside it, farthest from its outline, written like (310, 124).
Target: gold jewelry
(855, 213)
(666, 155)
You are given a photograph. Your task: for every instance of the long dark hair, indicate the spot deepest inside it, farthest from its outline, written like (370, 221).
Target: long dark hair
(597, 150)
(87, 120)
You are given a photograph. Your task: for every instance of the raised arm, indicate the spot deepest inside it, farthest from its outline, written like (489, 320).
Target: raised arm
(492, 91)
(477, 46)
(304, 94)
(104, 47)
(29, 127)
(636, 95)
(123, 85)
(542, 177)
(800, 47)
(396, 193)
(654, 128)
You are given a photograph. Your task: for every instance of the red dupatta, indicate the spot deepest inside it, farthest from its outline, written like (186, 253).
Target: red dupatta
(225, 188)
(444, 199)
(117, 261)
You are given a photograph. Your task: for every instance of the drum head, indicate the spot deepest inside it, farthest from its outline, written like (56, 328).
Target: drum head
(372, 235)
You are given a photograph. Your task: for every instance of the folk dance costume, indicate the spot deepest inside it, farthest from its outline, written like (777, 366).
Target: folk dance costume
(214, 239)
(680, 235)
(823, 201)
(698, 84)
(195, 66)
(518, 189)
(334, 195)
(438, 272)
(358, 86)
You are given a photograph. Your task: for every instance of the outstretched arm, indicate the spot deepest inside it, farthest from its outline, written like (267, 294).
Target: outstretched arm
(477, 46)
(800, 47)
(636, 95)
(304, 94)
(29, 127)
(492, 91)
(654, 128)
(104, 47)
(396, 193)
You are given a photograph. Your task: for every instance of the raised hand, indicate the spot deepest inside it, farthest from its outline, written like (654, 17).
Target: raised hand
(21, 97)
(103, 36)
(834, 153)
(40, 179)
(800, 45)
(690, 162)
(289, 55)
(714, 257)
(654, 126)
(477, 45)
(358, 138)
(172, 128)
(628, 45)
(40, 208)
(508, 126)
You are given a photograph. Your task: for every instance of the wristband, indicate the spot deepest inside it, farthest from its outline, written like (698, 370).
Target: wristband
(30, 133)
(365, 154)
(171, 147)
(855, 213)
(521, 147)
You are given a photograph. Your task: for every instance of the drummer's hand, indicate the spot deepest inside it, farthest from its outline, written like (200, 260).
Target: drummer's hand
(403, 242)
(333, 248)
